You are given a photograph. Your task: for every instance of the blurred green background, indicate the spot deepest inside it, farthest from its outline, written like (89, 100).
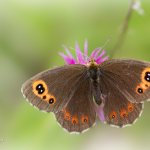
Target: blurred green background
(32, 33)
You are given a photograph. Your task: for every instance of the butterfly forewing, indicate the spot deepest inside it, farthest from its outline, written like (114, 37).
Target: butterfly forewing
(67, 92)
(130, 77)
(52, 89)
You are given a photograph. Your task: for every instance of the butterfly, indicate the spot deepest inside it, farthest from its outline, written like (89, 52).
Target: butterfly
(114, 90)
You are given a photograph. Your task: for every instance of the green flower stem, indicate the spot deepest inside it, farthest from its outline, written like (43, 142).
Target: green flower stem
(124, 29)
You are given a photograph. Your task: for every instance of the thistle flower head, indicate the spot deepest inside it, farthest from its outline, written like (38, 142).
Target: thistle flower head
(82, 57)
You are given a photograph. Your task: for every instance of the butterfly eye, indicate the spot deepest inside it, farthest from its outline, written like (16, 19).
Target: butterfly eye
(123, 113)
(84, 119)
(113, 115)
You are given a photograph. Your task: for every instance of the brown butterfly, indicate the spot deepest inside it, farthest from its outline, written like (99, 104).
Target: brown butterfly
(113, 90)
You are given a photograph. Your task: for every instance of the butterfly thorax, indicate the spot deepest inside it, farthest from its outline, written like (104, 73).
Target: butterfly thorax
(93, 70)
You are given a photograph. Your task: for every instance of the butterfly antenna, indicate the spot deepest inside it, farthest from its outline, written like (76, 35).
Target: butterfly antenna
(107, 41)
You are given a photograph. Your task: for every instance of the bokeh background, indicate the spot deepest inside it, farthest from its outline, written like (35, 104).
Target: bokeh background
(32, 33)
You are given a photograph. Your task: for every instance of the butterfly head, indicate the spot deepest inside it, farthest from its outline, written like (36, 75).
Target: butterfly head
(92, 62)
(97, 56)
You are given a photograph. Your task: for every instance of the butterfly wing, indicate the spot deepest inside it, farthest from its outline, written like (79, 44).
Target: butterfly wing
(117, 109)
(52, 89)
(79, 114)
(130, 77)
(66, 91)
(124, 85)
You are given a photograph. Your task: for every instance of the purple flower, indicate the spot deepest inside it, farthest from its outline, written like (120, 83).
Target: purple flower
(100, 113)
(82, 58)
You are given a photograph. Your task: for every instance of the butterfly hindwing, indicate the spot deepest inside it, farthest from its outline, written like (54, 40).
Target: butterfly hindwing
(79, 114)
(52, 89)
(118, 110)
(121, 112)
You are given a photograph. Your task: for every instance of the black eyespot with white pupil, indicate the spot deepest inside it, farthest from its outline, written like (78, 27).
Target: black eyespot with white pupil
(140, 90)
(40, 88)
(51, 101)
(147, 76)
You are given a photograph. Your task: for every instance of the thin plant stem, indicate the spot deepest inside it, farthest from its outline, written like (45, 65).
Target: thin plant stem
(124, 29)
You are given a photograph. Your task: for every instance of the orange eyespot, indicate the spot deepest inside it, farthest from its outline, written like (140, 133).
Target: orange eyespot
(145, 81)
(145, 77)
(123, 113)
(74, 120)
(67, 115)
(52, 100)
(84, 119)
(39, 88)
(113, 115)
(130, 107)
(139, 89)
(49, 99)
